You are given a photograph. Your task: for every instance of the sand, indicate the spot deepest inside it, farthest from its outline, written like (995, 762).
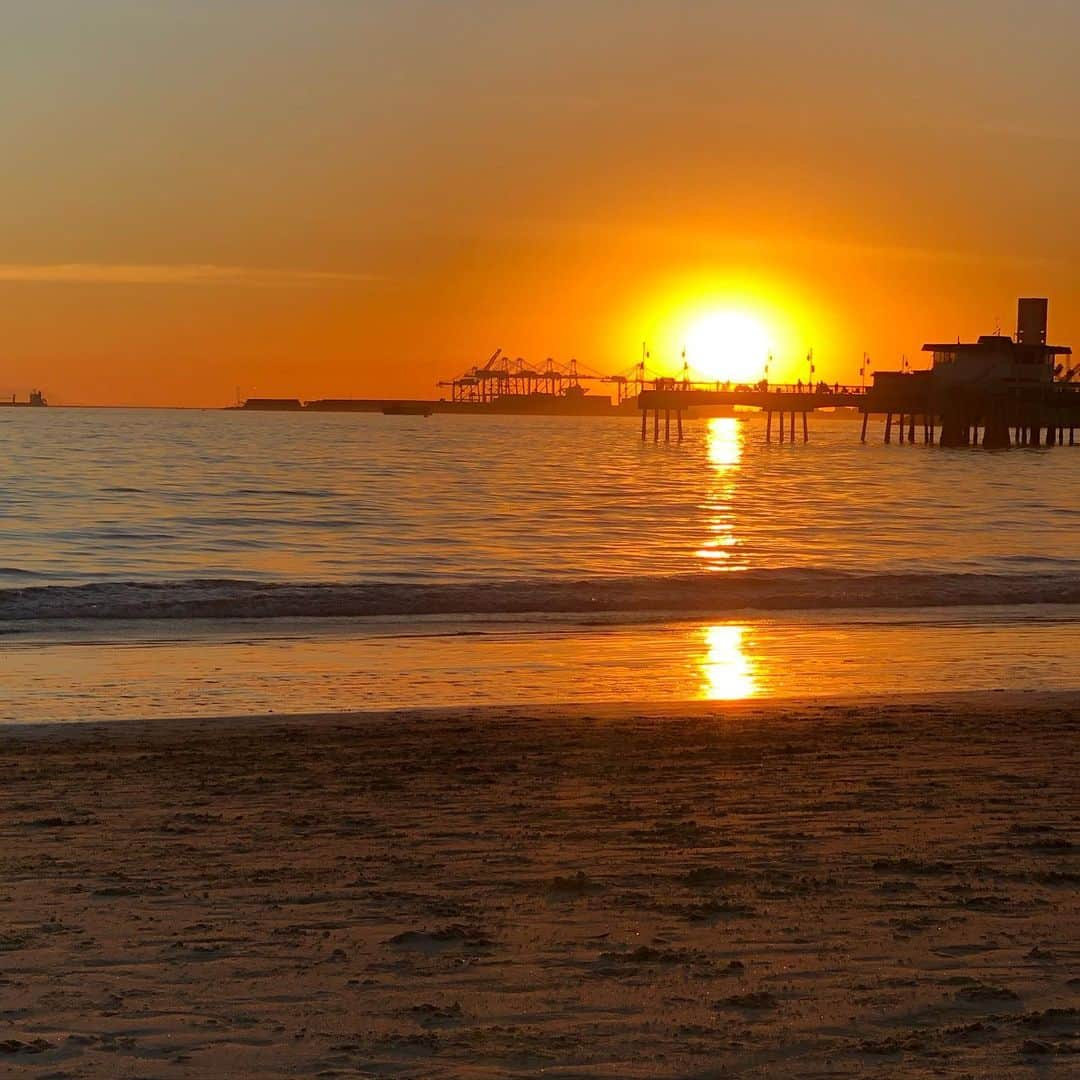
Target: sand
(815, 891)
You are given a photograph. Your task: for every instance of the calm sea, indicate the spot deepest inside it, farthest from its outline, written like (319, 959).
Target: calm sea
(113, 520)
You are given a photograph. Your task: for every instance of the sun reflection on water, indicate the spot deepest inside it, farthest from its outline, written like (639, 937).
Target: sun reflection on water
(728, 672)
(723, 442)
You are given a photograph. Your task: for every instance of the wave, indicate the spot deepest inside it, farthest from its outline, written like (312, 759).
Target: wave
(692, 594)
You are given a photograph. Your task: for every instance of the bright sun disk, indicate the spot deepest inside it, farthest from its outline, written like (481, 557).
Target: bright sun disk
(728, 346)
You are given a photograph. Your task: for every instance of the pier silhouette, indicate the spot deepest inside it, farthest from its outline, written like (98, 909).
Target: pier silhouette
(997, 392)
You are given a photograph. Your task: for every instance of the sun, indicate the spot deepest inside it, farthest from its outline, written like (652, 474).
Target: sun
(728, 346)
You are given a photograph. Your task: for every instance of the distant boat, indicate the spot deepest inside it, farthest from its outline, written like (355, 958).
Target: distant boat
(35, 401)
(408, 408)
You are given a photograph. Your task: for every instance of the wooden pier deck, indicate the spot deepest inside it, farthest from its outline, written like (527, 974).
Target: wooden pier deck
(784, 402)
(993, 416)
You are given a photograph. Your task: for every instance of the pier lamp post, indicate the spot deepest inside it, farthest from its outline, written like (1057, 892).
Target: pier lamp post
(768, 364)
(810, 361)
(864, 370)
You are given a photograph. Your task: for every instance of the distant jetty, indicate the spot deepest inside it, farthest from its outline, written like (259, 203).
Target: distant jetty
(510, 405)
(504, 387)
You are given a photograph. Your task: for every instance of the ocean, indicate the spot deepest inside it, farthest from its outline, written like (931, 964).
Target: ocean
(213, 562)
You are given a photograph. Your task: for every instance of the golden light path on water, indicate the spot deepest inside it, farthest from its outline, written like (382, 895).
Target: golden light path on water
(723, 441)
(726, 664)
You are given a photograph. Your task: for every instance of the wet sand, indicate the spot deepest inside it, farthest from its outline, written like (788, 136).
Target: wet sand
(158, 670)
(823, 891)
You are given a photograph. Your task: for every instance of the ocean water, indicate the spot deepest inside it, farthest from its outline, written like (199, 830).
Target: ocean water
(113, 497)
(214, 562)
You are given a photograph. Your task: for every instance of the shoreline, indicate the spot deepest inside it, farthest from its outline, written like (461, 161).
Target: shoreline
(164, 671)
(832, 888)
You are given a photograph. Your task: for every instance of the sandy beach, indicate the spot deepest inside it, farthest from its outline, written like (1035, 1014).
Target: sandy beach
(747, 890)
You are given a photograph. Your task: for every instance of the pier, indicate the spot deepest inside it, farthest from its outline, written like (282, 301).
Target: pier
(996, 393)
(908, 410)
(783, 405)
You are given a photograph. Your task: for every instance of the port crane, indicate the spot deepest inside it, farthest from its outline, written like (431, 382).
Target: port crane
(514, 378)
(502, 377)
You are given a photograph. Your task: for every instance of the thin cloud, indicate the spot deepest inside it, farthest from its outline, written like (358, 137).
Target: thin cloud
(182, 274)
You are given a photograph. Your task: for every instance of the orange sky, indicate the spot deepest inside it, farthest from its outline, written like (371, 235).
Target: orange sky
(330, 198)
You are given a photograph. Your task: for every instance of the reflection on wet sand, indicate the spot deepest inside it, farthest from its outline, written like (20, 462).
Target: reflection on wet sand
(723, 440)
(727, 668)
(341, 665)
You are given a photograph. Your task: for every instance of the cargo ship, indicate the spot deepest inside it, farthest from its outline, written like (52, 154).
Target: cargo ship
(36, 400)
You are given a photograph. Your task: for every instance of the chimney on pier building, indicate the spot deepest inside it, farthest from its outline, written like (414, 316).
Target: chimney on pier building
(1031, 321)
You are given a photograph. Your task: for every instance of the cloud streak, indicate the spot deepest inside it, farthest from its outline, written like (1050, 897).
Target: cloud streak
(172, 274)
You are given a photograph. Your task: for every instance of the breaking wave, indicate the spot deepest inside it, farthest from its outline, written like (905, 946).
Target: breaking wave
(693, 594)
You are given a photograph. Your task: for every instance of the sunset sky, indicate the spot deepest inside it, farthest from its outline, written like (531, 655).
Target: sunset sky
(356, 197)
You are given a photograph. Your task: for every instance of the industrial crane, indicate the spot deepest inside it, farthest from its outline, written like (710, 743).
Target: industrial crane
(485, 383)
